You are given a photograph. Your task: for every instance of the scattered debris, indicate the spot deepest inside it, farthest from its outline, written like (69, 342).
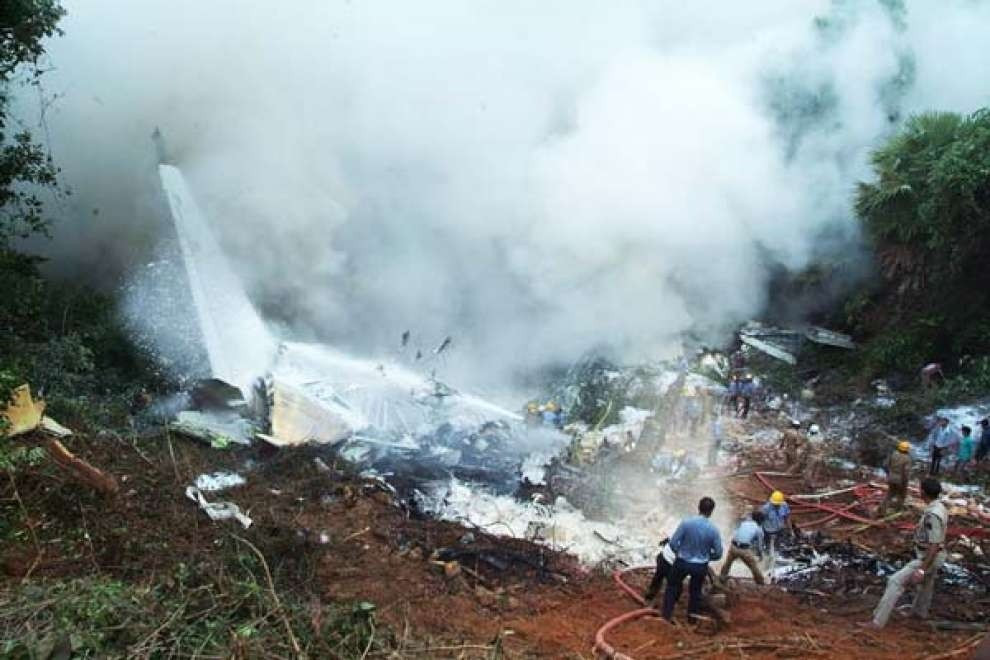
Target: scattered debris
(219, 429)
(218, 481)
(23, 414)
(218, 510)
(829, 338)
(298, 418)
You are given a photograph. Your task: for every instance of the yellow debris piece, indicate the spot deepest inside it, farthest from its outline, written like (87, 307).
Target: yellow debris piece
(23, 414)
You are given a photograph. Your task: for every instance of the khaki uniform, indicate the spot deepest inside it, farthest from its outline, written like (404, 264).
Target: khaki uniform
(746, 556)
(793, 443)
(930, 531)
(898, 477)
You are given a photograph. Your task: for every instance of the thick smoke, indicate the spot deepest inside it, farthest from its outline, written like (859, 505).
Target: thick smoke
(535, 179)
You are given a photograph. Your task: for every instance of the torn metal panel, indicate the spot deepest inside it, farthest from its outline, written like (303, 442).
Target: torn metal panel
(218, 429)
(218, 510)
(298, 418)
(769, 348)
(51, 427)
(23, 414)
(829, 338)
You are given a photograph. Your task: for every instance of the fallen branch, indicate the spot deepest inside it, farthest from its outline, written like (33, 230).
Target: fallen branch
(83, 471)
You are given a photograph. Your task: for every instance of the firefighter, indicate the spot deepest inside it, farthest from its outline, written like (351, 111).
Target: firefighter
(898, 475)
(794, 445)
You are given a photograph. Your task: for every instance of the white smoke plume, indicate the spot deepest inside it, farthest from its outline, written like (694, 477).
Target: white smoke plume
(534, 179)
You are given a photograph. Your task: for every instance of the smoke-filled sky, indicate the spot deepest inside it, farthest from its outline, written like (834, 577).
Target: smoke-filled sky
(532, 178)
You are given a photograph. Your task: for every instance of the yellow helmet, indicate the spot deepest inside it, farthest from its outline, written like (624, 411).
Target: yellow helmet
(680, 453)
(531, 407)
(904, 446)
(552, 406)
(776, 497)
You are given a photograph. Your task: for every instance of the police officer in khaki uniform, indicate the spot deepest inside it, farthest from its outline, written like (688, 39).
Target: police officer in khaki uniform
(929, 550)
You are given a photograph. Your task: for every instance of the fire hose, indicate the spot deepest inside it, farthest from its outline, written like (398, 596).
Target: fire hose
(865, 492)
(601, 644)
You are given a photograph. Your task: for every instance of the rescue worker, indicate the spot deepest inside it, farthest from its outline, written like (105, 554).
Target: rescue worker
(746, 392)
(533, 416)
(665, 564)
(747, 540)
(813, 460)
(715, 444)
(965, 450)
(931, 375)
(692, 408)
(793, 443)
(942, 437)
(735, 390)
(984, 447)
(695, 543)
(929, 552)
(776, 514)
(898, 476)
(552, 415)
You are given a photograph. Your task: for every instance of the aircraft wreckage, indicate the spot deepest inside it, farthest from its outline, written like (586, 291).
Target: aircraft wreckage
(300, 393)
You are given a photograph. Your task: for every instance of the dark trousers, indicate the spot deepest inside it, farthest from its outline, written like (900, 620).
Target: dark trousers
(936, 459)
(681, 570)
(663, 572)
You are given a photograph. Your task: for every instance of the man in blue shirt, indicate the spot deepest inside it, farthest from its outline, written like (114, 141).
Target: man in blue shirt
(942, 437)
(747, 545)
(695, 543)
(776, 513)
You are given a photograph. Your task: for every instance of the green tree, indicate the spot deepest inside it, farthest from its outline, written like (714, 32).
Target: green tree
(927, 213)
(24, 165)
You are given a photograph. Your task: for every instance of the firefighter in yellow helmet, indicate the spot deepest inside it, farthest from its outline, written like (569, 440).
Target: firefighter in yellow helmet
(776, 521)
(532, 414)
(552, 414)
(898, 476)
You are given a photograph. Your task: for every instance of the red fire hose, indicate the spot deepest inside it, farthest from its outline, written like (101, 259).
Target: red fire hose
(601, 644)
(864, 492)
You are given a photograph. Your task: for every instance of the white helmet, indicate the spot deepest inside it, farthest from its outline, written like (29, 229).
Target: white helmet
(814, 430)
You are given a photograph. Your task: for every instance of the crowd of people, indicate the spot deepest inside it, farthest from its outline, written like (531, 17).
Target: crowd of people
(960, 446)
(697, 543)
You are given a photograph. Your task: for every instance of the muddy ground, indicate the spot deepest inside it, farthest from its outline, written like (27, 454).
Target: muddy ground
(332, 540)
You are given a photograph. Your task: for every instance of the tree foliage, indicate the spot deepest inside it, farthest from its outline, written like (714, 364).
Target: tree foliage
(25, 167)
(927, 213)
